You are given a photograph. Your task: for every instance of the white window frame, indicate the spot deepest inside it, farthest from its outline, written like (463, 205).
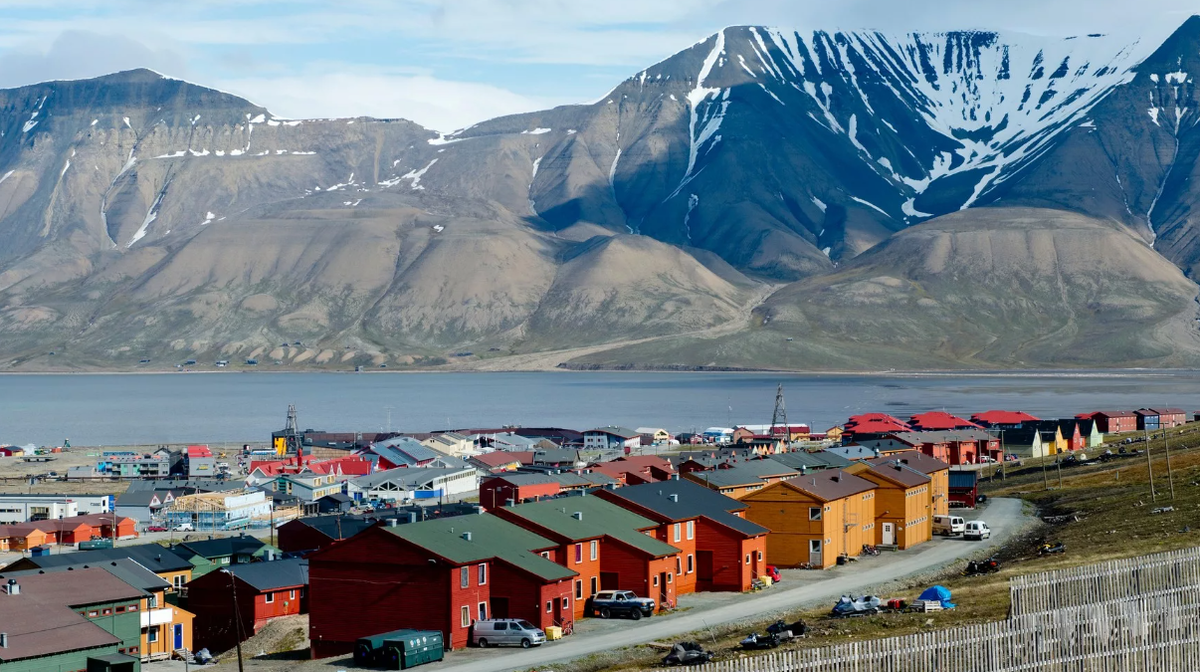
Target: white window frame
(482, 611)
(815, 510)
(152, 634)
(482, 575)
(464, 577)
(465, 612)
(269, 598)
(579, 589)
(691, 529)
(691, 563)
(595, 549)
(678, 531)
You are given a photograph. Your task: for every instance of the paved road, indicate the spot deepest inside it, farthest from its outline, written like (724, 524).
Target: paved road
(1003, 515)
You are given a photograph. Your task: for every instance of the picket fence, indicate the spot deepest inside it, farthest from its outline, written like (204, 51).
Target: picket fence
(1112, 580)
(1156, 632)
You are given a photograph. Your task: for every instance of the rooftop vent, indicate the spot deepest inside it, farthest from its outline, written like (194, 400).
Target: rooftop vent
(466, 536)
(391, 522)
(578, 515)
(3, 640)
(673, 497)
(12, 587)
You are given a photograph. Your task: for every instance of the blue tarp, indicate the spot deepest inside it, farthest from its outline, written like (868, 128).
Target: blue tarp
(938, 594)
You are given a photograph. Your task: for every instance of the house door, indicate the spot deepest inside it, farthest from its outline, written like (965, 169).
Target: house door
(178, 636)
(663, 597)
(499, 607)
(609, 580)
(889, 534)
(816, 557)
(704, 569)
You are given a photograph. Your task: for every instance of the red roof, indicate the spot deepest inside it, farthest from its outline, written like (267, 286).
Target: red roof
(498, 458)
(199, 451)
(935, 420)
(1003, 417)
(351, 465)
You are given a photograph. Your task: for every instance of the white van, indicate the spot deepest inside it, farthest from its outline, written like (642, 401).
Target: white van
(949, 525)
(500, 631)
(978, 530)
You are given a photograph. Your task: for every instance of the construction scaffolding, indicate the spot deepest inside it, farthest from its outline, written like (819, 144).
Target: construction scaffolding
(228, 510)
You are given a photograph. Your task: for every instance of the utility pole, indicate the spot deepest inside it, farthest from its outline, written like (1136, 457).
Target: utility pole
(237, 618)
(1045, 480)
(1059, 466)
(1149, 465)
(1170, 477)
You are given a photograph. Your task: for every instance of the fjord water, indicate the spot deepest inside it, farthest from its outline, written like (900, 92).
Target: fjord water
(127, 409)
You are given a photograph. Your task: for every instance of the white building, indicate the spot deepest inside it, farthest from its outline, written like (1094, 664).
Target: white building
(25, 508)
(452, 444)
(608, 438)
(414, 483)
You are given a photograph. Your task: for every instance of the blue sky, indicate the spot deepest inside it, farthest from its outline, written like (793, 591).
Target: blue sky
(449, 63)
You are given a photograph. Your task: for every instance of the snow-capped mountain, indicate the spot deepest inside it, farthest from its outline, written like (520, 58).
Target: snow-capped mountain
(139, 213)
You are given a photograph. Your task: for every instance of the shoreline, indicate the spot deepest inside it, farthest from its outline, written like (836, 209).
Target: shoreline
(898, 373)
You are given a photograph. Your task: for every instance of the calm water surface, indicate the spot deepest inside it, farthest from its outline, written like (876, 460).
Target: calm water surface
(234, 407)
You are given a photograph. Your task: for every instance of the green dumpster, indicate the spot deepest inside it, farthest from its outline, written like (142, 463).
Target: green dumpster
(399, 649)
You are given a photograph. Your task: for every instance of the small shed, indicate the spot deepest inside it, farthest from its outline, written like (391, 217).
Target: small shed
(964, 488)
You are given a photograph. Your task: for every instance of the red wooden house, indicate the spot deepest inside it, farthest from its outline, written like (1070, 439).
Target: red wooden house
(605, 543)
(939, 420)
(505, 489)
(719, 548)
(1112, 422)
(1171, 417)
(261, 591)
(1003, 419)
(441, 574)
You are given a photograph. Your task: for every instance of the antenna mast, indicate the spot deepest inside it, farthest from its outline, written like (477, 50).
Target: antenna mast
(779, 417)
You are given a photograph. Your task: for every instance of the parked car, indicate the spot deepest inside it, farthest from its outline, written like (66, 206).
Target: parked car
(184, 527)
(609, 603)
(948, 525)
(773, 572)
(156, 528)
(501, 631)
(977, 530)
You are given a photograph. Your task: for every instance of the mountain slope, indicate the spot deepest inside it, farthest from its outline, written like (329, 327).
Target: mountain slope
(1061, 290)
(146, 217)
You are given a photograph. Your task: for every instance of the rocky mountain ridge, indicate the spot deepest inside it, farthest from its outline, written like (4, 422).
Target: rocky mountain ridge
(144, 216)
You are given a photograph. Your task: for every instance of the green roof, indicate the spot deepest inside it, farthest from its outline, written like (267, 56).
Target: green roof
(598, 518)
(491, 538)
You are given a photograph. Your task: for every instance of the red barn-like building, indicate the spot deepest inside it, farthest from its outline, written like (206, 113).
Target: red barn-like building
(440, 575)
(719, 548)
(1003, 419)
(1112, 422)
(939, 420)
(261, 590)
(503, 489)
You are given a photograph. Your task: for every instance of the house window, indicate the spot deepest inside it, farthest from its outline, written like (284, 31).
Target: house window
(566, 604)
(483, 611)
(291, 594)
(814, 513)
(691, 529)
(482, 574)
(595, 549)
(578, 553)
(595, 585)
(678, 565)
(120, 610)
(549, 606)
(760, 556)
(179, 580)
(747, 558)
(93, 614)
(133, 607)
(669, 575)
(151, 601)
(108, 612)
(464, 577)
(269, 598)
(655, 581)
(691, 563)
(546, 554)
(579, 589)
(466, 616)
(152, 634)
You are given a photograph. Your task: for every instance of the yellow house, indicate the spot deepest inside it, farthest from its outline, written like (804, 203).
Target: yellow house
(815, 518)
(166, 628)
(937, 471)
(903, 503)
(657, 435)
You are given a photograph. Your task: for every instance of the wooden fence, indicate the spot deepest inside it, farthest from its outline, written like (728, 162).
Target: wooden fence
(1157, 631)
(1113, 580)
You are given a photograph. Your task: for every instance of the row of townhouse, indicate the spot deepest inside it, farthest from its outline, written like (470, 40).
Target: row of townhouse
(540, 561)
(23, 508)
(65, 531)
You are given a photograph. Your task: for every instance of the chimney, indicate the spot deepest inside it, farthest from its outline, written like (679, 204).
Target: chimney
(578, 515)
(509, 502)
(466, 536)
(12, 587)
(673, 497)
(803, 470)
(412, 516)
(3, 640)
(876, 452)
(391, 522)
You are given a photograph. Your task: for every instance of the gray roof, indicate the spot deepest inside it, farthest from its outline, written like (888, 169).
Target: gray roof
(272, 575)
(124, 569)
(692, 500)
(749, 472)
(525, 479)
(623, 432)
(412, 477)
(151, 556)
(852, 452)
(820, 459)
(404, 450)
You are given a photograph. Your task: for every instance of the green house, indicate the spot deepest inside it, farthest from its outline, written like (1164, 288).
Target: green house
(213, 554)
(85, 619)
